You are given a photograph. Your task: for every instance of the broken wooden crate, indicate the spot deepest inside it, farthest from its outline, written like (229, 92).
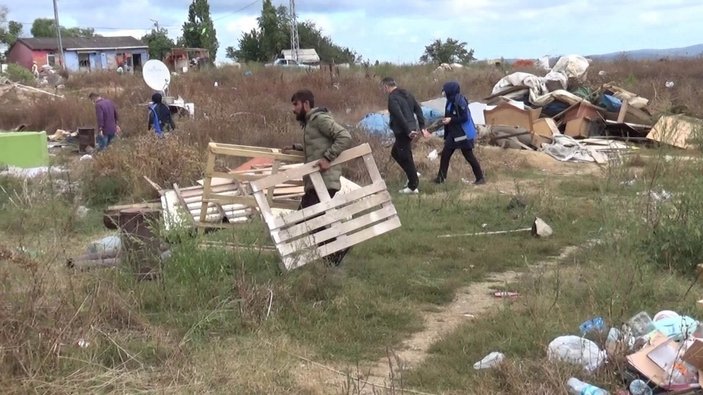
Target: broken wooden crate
(284, 195)
(347, 218)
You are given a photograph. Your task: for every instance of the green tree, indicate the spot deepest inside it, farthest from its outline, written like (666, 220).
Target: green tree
(9, 31)
(312, 37)
(159, 43)
(250, 49)
(198, 30)
(46, 27)
(273, 35)
(450, 51)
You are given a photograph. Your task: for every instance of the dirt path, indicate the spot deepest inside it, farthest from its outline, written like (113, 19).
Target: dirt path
(375, 378)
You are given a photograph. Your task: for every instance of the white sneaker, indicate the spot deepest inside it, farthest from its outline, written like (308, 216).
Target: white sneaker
(407, 190)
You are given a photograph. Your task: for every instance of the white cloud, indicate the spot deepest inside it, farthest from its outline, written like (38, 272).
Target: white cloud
(399, 29)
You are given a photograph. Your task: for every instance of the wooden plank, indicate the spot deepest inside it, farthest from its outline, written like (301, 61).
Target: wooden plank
(337, 231)
(154, 185)
(372, 168)
(119, 207)
(252, 153)
(320, 188)
(355, 207)
(235, 246)
(623, 111)
(296, 260)
(264, 169)
(269, 191)
(183, 203)
(286, 205)
(230, 199)
(337, 201)
(220, 174)
(197, 190)
(308, 168)
(207, 188)
(289, 190)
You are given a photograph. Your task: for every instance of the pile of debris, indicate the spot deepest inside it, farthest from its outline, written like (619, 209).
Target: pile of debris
(264, 186)
(664, 352)
(560, 115)
(662, 355)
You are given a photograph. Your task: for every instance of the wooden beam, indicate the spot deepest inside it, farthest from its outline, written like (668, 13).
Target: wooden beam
(342, 229)
(301, 258)
(337, 201)
(356, 206)
(308, 168)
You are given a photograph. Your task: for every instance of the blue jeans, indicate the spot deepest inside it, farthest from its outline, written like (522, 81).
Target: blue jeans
(104, 140)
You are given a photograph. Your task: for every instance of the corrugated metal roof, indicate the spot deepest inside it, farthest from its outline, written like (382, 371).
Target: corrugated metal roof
(50, 43)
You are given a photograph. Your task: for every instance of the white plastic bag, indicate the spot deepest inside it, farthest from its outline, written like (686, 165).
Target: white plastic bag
(489, 361)
(576, 350)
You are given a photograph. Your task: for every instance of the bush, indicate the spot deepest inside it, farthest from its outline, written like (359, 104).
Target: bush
(118, 173)
(20, 74)
(673, 213)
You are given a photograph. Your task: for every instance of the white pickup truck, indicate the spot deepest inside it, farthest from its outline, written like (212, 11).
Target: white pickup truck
(289, 63)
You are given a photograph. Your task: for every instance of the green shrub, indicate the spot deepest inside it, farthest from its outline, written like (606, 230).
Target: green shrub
(20, 74)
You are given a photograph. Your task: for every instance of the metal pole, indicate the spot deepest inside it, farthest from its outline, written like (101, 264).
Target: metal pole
(58, 34)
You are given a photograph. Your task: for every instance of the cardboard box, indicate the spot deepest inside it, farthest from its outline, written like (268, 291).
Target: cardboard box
(542, 131)
(644, 364)
(585, 126)
(694, 354)
(508, 115)
(581, 110)
(677, 130)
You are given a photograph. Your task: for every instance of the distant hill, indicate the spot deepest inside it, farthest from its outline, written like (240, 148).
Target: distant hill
(649, 54)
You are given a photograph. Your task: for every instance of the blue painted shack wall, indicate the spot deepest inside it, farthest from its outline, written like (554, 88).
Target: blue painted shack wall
(102, 59)
(71, 60)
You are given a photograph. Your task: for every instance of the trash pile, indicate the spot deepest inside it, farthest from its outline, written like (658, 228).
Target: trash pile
(559, 114)
(663, 354)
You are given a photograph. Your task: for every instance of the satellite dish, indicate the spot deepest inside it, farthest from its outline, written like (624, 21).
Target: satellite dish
(156, 75)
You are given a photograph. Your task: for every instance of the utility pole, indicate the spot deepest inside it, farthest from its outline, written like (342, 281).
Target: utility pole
(58, 34)
(294, 38)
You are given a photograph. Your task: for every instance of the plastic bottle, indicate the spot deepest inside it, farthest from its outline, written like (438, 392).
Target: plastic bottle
(639, 387)
(641, 324)
(613, 340)
(578, 387)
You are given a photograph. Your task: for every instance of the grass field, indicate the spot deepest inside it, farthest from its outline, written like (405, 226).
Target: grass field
(219, 321)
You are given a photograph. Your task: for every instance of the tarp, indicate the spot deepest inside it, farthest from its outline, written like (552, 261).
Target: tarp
(377, 122)
(571, 66)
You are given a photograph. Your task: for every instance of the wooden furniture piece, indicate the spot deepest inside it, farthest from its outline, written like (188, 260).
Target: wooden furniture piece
(339, 222)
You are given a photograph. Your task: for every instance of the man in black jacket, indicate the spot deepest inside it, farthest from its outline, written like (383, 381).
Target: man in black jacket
(403, 108)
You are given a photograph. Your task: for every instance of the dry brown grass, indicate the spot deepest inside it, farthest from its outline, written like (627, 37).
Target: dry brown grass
(44, 315)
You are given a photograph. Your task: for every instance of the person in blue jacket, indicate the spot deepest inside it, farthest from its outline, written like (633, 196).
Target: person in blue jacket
(459, 133)
(160, 115)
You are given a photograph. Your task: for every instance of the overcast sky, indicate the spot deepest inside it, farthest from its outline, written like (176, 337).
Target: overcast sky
(397, 31)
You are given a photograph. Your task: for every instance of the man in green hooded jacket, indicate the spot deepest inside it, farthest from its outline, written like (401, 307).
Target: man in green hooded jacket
(323, 139)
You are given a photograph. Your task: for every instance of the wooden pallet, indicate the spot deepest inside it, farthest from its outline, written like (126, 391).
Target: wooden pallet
(348, 218)
(240, 194)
